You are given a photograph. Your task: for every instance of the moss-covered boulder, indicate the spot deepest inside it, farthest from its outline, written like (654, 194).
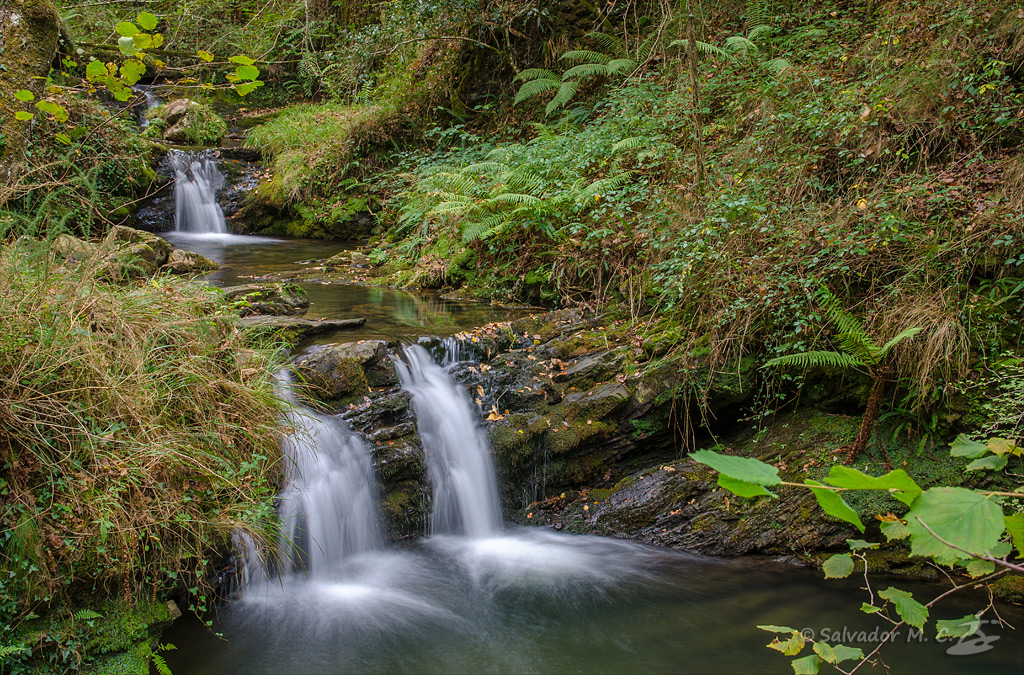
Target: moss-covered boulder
(274, 299)
(186, 122)
(336, 373)
(188, 262)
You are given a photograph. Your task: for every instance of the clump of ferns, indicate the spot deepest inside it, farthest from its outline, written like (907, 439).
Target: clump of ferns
(609, 60)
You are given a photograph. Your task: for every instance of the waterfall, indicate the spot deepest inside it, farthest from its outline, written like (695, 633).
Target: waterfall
(328, 506)
(456, 449)
(152, 101)
(196, 181)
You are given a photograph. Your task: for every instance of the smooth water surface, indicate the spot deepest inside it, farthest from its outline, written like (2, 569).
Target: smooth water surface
(530, 600)
(389, 313)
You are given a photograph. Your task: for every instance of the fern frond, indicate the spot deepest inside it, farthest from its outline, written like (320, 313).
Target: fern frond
(161, 665)
(619, 66)
(485, 168)
(761, 32)
(816, 360)
(705, 48)
(523, 179)
(647, 47)
(535, 88)
(586, 70)
(904, 335)
(531, 74)
(543, 131)
(564, 95)
(608, 43)
(737, 44)
(516, 198)
(585, 56)
(776, 66)
(631, 143)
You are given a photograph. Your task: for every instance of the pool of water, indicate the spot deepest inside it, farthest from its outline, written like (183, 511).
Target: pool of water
(535, 601)
(389, 313)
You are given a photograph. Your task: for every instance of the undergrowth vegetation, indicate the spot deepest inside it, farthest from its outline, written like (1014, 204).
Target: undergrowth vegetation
(138, 430)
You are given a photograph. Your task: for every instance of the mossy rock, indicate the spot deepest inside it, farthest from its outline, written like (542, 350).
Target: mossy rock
(185, 121)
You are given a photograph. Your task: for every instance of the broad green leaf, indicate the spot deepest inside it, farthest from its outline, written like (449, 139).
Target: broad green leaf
(146, 20)
(248, 87)
(1015, 526)
(743, 488)
(989, 463)
(808, 665)
(96, 70)
(24, 95)
(142, 41)
(63, 139)
(126, 29)
(119, 91)
(51, 108)
(825, 651)
(1003, 446)
(832, 504)
(897, 482)
(957, 628)
(844, 653)
(860, 544)
(205, 55)
(979, 568)
(838, 566)
(911, 611)
(894, 529)
(746, 469)
(127, 46)
(777, 629)
(961, 517)
(869, 609)
(157, 43)
(963, 446)
(247, 72)
(23, 116)
(132, 71)
(790, 647)
(242, 59)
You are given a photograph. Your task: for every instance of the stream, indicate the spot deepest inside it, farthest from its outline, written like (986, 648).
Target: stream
(478, 596)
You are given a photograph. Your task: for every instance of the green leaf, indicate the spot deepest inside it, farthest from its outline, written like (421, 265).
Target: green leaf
(808, 665)
(962, 517)
(146, 20)
(957, 628)
(242, 59)
(838, 566)
(832, 504)
(844, 653)
(1003, 446)
(860, 544)
(127, 46)
(96, 70)
(63, 139)
(911, 611)
(51, 108)
(142, 41)
(979, 568)
(132, 71)
(869, 609)
(205, 55)
(1015, 526)
(23, 116)
(894, 529)
(988, 463)
(790, 647)
(24, 95)
(247, 72)
(743, 488)
(825, 651)
(897, 482)
(963, 446)
(126, 29)
(777, 629)
(746, 469)
(247, 88)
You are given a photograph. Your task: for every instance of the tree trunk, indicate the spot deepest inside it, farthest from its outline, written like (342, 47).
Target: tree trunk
(29, 34)
(870, 417)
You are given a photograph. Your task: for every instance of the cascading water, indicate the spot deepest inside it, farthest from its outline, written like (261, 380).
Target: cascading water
(458, 462)
(152, 101)
(196, 181)
(328, 508)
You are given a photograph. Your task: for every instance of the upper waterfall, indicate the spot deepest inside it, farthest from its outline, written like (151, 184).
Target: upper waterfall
(196, 181)
(457, 452)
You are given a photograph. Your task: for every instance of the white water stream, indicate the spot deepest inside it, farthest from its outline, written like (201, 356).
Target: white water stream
(196, 182)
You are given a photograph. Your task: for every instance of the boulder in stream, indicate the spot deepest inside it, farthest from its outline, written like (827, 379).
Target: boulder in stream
(189, 262)
(336, 372)
(274, 299)
(186, 121)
